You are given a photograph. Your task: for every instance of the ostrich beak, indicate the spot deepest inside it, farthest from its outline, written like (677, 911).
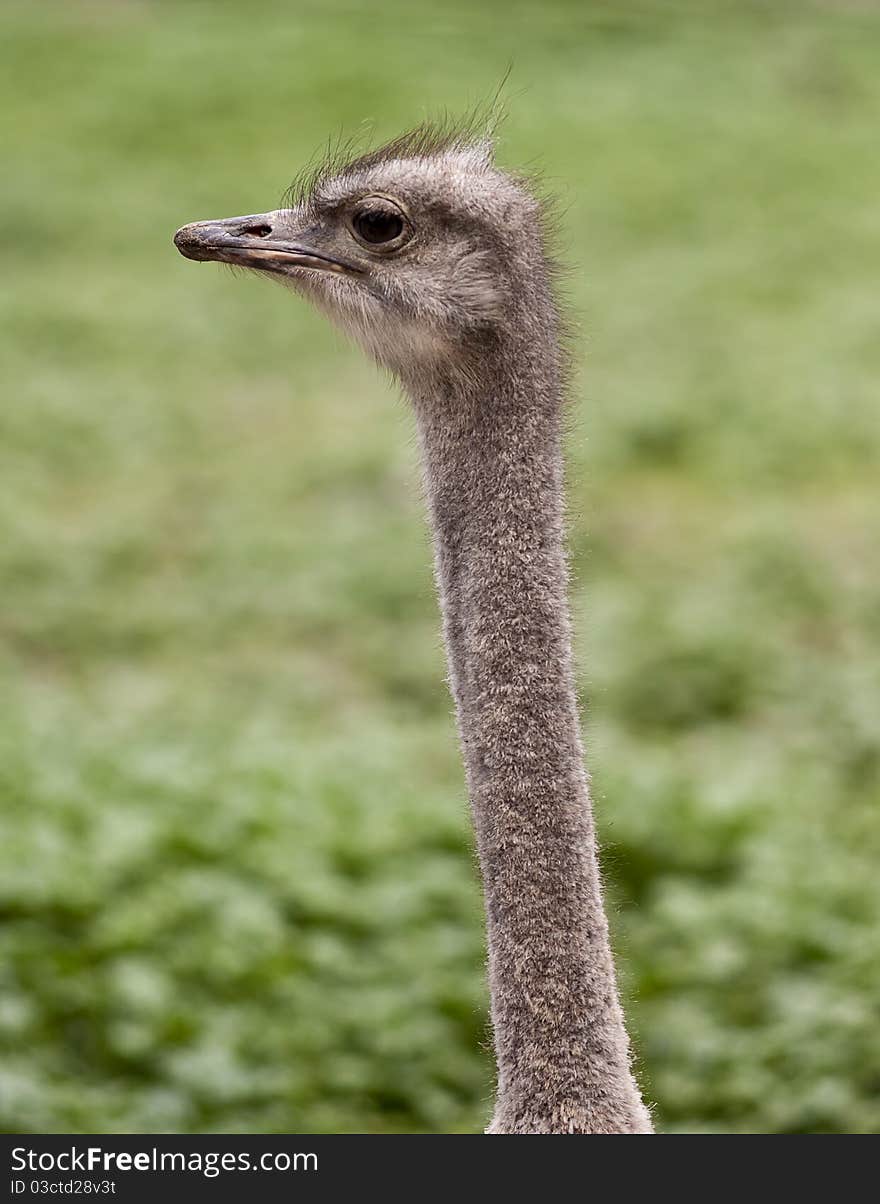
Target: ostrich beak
(255, 241)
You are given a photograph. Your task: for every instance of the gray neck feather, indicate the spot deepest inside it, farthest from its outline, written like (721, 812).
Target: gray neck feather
(491, 441)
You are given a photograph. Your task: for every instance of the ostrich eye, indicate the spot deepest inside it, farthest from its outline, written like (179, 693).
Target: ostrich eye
(379, 224)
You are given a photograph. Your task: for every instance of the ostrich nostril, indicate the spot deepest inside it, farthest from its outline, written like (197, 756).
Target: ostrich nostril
(259, 231)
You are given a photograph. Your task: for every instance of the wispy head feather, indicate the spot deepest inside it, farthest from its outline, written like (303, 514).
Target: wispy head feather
(474, 133)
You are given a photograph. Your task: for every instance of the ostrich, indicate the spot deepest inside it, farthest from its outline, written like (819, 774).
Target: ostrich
(435, 261)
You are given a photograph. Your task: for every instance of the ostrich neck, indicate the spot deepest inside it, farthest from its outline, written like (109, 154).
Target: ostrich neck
(493, 462)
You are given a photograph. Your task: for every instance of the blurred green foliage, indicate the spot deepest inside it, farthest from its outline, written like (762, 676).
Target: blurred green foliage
(236, 873)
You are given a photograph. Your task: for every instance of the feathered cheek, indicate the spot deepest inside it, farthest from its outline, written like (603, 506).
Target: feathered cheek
(476, 292)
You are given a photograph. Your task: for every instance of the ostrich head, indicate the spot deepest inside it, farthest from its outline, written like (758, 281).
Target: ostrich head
(419, 250)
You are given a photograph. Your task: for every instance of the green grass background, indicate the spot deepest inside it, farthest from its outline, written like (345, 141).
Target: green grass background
(236, 873)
